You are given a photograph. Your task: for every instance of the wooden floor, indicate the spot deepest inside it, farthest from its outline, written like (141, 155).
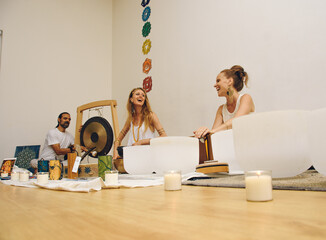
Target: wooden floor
(152, 213)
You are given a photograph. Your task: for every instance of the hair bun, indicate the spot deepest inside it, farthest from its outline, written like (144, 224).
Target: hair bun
(239, 71)
(240, 77)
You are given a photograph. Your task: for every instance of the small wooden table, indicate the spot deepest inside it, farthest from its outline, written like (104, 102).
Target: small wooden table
(152, 213)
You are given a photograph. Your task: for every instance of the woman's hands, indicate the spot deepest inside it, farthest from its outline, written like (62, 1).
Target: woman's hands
(201, 132)
(142, 142)
(137, 143)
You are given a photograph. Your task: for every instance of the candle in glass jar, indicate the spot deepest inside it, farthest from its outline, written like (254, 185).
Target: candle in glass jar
(4, 174)
(24, 176)
(111, 177)
(42, 177)
(172, 180)
(258, 185)
(15, 176)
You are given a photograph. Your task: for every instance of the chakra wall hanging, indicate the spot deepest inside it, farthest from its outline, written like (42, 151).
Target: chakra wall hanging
(146, 14)
(147, 65)
(145, 2)
(147, 46)
(146, 29)
(147, 84)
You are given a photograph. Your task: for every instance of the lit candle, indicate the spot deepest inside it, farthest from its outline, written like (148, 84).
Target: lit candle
(15, 176)
(172, 180)
(258, 185)
(4, 174)
(111, 177)
(42, 177)
(24, 176)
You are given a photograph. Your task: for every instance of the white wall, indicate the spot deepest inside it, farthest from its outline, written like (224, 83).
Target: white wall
(56, 56)
(281, 44)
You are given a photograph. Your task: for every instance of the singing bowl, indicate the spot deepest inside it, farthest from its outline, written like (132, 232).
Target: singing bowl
(175, 153)
(223, 150)
(118, 164)
(316, 134)
(137, 160)
(276, 141)
(163, 154)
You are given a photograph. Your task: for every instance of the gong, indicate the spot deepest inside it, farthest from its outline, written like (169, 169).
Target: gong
(97, 134)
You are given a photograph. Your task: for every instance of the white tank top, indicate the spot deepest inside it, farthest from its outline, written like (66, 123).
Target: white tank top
(225, 112)
(142, 135)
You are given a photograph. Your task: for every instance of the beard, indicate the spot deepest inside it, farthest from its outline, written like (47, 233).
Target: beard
(65, 124)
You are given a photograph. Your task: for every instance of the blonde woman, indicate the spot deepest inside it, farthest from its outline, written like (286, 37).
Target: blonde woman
(141, 122)
(229, 83)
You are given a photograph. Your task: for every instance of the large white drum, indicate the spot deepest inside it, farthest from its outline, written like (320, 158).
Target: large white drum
(317, 139)
(274, 141)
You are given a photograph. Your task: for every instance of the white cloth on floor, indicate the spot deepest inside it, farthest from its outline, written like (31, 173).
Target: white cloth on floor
(96, 184)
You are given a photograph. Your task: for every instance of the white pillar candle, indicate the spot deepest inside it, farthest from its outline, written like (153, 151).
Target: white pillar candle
(258, 185)
(24, 176)
(172, 180)
(4, 174)
(42, 177)
(111, 177)
(15, 176)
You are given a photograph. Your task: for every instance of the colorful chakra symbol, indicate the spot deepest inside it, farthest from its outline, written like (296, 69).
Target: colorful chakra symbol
(146, 29)
(147, 84)
(147, 46)
(145, 2)
(147, 65)
(146, 14)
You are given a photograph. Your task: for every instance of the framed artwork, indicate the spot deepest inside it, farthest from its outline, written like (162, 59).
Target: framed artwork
(7, 165)
(25, 154)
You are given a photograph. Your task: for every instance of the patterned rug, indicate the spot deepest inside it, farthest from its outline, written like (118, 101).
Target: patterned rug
(310, 180)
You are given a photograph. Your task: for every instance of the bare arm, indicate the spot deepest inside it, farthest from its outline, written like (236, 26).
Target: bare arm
(60, 151)
(119, 139)
(203, 131)
(158, 126)
(246, 106)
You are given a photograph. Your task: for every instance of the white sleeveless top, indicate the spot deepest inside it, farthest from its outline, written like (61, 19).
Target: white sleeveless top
(142, 135)
(225, 112)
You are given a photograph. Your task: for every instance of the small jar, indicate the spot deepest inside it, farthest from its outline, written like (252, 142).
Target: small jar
(172, 180)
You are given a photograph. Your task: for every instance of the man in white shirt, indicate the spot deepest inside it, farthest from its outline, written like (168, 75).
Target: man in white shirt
(58, 141)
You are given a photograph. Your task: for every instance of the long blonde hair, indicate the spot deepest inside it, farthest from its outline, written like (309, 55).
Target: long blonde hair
(146, 111)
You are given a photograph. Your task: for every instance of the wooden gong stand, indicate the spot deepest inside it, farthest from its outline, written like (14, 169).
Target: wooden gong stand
(80, 109)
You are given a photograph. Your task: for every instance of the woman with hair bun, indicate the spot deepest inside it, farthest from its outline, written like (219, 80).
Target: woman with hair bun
(142, 122)
(229, 83)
